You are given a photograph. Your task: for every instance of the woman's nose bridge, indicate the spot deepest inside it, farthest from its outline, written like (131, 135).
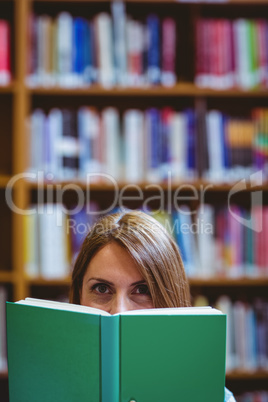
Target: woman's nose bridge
(120, 302)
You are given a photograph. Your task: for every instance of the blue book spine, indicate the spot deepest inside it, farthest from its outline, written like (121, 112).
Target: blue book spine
(191, 141)
(78, 37)
(179, 236)
(153, 72)
(87, 54)
(154, 138)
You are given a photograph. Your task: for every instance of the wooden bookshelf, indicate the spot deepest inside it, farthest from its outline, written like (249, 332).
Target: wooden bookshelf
(144, 186)
(180, 89)
(9, 89)
(7, 277)
(4, 179)
(247, 375)
(18, 99)
(225, 281)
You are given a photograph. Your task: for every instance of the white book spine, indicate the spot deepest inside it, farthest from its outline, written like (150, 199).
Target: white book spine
(120, 47)
(242, 54)
(105, 49)
(65, 49)
(215, 145)
(134, 152)
(189, 242)
(53, 253)
(38, 119)
(205, 240)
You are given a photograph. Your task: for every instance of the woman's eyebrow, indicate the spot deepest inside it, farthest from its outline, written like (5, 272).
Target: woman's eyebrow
(138, 282)
(142, 281)
(100, 280)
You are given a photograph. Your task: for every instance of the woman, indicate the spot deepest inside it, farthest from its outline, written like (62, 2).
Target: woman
(128, 262)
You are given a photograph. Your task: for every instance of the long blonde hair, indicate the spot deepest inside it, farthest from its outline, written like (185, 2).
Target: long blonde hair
(153, 249)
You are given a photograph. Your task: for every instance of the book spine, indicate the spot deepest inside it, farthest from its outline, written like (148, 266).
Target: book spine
(168, 76)
(78, 47)
(4, 52)
(120, 46)
(110, 358)
(65, 48)
(153, 71)
(103, 25)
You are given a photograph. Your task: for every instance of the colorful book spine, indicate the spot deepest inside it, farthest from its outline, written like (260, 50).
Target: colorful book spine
(236, 55)
(5, 72)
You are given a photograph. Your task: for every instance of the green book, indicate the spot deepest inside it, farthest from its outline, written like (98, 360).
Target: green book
(69, 353)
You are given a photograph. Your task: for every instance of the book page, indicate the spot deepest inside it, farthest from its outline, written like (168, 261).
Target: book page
(174, 311)
(61, 306)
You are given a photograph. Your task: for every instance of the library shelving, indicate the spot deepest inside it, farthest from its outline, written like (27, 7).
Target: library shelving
(18, 100)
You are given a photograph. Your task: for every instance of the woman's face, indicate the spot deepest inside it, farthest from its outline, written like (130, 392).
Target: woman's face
(113, 283)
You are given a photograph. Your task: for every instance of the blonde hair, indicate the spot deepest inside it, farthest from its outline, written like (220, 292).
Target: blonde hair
(152, 248)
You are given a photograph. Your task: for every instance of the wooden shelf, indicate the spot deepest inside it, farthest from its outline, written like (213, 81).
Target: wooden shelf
(247, 375)
(8, 89)
(48, 282)
(229, 282)
(193, 282)
(4, 179)
(214, 2)
(181, 89)
(172, 185)
(7, 277)
(3, 375)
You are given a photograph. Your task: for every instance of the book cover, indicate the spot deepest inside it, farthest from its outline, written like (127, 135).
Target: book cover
(68, 353)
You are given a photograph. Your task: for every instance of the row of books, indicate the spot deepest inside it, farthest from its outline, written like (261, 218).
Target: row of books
(5, 69)
(213, 242)
(111, 49)
(149, 145)
(247, 332)
(257, 396)
(221, 242)
(232, 53)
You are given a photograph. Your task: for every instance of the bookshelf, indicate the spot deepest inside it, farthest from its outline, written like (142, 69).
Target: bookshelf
(18, 100)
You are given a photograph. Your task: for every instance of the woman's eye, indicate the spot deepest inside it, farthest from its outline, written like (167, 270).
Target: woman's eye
(142, 290)
(101, 288)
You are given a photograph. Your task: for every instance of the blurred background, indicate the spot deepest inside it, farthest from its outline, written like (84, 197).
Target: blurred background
(156, 105)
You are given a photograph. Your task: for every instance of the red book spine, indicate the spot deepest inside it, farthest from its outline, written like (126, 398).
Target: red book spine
(262, 56)
(232, 51)
(169, 51)
(199, 51)
(228, 53)
(4, 52)
(215, 53)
